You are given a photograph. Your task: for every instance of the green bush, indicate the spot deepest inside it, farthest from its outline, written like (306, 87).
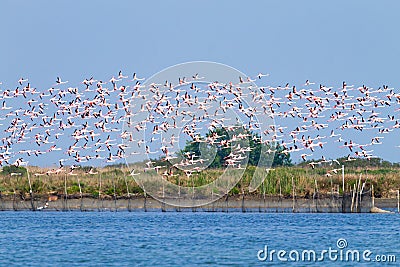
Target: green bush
(7, 170)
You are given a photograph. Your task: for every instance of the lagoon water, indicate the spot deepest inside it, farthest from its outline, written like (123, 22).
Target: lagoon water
(186, 238)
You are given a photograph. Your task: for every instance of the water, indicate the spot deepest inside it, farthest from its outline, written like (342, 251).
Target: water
(185, 238)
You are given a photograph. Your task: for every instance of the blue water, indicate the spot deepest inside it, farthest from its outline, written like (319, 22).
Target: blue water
(186, 238)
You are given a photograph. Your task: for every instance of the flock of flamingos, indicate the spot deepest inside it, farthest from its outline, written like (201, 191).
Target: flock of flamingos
(67, 124)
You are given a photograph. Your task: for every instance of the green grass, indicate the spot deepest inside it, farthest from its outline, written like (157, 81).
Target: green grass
(385, 181)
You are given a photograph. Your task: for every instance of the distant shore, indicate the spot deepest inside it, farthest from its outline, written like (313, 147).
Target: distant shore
(238, 203)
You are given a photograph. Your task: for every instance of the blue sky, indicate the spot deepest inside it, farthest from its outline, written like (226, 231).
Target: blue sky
(325, 42)
(355, 41)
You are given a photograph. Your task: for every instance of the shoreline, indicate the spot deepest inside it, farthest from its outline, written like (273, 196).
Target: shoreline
(233, 203)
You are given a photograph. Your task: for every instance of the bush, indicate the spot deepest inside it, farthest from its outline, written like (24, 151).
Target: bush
(7, 170)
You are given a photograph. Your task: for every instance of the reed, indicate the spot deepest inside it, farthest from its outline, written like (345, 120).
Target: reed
(114, 183)
(373, 196)
(294, 196)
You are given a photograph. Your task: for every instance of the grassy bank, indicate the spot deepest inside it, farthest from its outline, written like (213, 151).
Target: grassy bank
(115, 181)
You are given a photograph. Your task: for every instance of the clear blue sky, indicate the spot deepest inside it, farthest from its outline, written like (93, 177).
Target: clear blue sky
(356, 41)
(325, 42)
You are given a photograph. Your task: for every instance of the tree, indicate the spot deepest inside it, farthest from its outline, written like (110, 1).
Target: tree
(280, 158)
(222, 148)
(7, 170)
